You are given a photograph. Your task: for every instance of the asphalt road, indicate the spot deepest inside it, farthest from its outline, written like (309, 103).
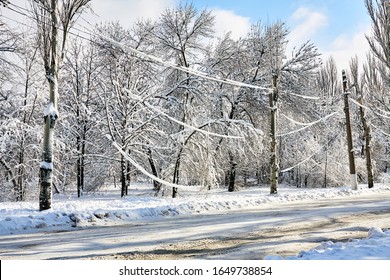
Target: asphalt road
(283, 229)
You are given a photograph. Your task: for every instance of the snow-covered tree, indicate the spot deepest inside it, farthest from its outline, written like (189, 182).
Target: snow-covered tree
(377, 75)
(377, 100)
(82, 124)
(288, 79)
(54, 20)
(328, 86)
(181, 34)
(130, 78)
(236, 108)
(20, 137)
(359, 88)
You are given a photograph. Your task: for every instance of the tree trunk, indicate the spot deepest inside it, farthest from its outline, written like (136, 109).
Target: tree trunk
(351, 156)
(367, 138)
(176, 174)
(128, 177)
(46, 167)
(50, 114)
(326, 169)
(21, 173)
(80, 140)
(9, 175)
(227, 178)
(21, 189)
(232, 175)
(176, 178)
(298, 177)
(123, 176)
(156, 185)
(80, 167)
(274, 165)
(258, 176)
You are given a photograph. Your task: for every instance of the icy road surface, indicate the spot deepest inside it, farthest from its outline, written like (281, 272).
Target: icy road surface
(282, 229)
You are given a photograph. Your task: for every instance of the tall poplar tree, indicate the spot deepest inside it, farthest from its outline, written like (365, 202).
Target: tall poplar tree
(53, 18)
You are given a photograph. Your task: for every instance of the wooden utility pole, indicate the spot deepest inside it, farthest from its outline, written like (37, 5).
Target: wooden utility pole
(352, 168)
(274, 163)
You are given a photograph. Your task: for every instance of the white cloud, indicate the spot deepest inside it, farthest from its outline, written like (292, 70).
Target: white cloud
(126, 12)
(344, 47)
(227, 21)
(310, 23)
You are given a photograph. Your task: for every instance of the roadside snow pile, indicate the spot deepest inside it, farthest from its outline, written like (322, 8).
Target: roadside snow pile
(375, 247)
(105, 208)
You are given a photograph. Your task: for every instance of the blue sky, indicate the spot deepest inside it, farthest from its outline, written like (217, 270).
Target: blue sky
(336, 27)
(343, 17)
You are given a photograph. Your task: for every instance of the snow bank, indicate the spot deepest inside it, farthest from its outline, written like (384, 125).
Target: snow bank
(375, 247)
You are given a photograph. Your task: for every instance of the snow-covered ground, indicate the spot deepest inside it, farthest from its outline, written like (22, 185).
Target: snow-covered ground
(106, 208)
(375, 247)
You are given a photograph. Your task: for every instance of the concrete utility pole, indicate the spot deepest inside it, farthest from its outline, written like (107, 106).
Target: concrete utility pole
(352, 168)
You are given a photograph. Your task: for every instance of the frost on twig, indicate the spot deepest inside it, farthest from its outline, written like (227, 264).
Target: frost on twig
(155, 109)
(191, 71)
(143, 170)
